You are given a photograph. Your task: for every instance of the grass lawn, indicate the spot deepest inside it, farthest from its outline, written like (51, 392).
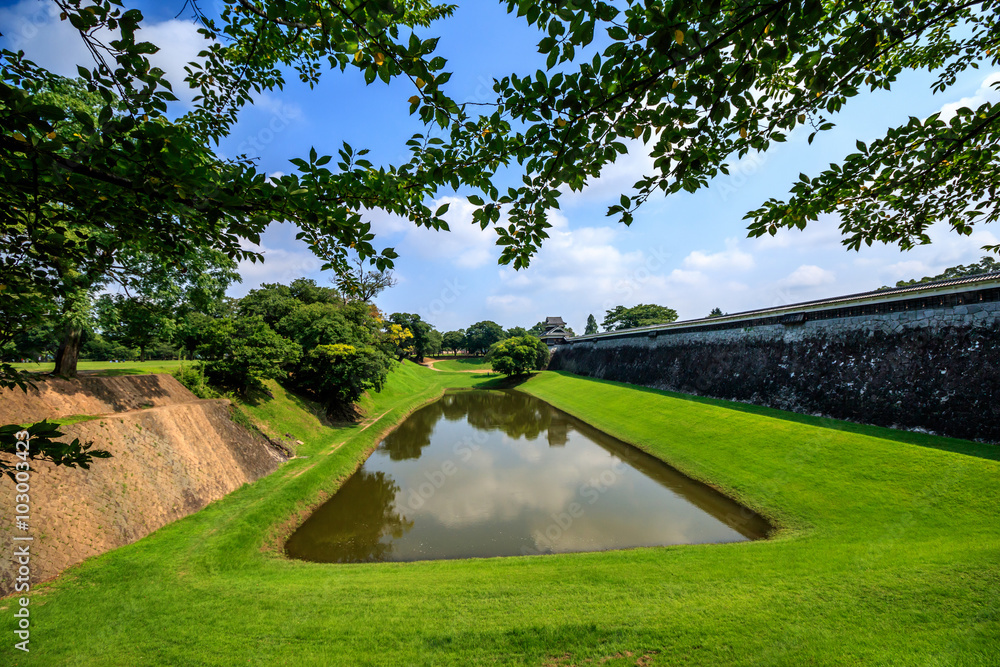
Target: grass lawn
(108, 368)
(461, 364)
(888, 552)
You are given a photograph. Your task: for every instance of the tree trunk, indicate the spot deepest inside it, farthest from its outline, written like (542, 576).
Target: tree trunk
(142, 353)
(68, 353)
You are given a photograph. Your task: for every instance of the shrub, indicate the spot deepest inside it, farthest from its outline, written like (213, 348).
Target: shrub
(337, 375)
(518, 356)
(243, 352)
(193, 377)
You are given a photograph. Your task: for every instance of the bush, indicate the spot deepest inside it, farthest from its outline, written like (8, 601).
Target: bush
(518, 356)
(337, 375)
(244, 352)
(193, 377)
(101, 349)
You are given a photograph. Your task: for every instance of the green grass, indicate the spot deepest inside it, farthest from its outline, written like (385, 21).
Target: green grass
(462, 364)
(888, 552)
(107, 368)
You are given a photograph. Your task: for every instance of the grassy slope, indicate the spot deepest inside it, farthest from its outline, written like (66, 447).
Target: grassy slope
(462, 364)
(108, 368)
(888, 553)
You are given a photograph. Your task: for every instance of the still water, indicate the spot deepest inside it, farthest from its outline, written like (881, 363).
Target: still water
(501, 473)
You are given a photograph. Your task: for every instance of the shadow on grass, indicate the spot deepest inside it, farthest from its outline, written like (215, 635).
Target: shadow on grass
(498, 381)
(966, 447)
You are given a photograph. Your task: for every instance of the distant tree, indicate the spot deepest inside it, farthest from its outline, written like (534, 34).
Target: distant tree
(97, 348)
(241, 353)
(985, 265)
(312, 324)
(424, 342)
(642, 315)
(716, 312)
(337, 375)
(132, 322)
(399, 340)
(307, 291)
(364, 285)
(516, 332)
(453, 340)
(271, 302)
(481, 335)
(518, 356)
(435, 339)
(537, 329)
(591, 325)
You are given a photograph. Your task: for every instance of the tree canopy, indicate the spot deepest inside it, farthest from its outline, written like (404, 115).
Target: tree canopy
(518, 355)
(642, 315)
(96, 170)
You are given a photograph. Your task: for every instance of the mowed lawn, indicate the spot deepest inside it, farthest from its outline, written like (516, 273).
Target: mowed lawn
(462, 364)
(110, 368)
(887, 552)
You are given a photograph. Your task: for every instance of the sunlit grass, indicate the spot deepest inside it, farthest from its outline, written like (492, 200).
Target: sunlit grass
(108, 368)
(887, 553)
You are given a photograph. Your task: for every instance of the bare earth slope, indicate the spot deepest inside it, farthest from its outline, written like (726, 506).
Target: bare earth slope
(169, 459)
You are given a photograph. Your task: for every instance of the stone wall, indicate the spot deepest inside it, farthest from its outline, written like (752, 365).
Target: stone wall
(934, 369)
(172, 455)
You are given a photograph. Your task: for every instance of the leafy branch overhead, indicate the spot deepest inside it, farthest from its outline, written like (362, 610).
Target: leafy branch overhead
(43, 446)
(696, 84)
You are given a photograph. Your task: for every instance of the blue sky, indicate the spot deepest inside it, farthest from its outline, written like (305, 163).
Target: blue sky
(688, 251)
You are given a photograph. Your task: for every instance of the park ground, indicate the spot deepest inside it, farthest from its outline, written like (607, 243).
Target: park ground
(887, 551)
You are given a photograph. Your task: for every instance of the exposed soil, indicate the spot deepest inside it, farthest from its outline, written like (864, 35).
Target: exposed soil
(169, 460)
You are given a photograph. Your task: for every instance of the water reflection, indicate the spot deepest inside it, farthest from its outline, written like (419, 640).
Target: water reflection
(361, 525)
(495, 473)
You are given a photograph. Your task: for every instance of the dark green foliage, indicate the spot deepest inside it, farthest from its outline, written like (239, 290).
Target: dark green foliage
(132, 322)
(244, 352)
(518, 356)
(716, 312)
(704, 83)
(642, 315)
(481, 335)
(426, 340)
(591, 325)
(337, 375)
(537, 329)
(515, 332)
(193, 377)
(42, 445)
(453, 340)
(98, 348)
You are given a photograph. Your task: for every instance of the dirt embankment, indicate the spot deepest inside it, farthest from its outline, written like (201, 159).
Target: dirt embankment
(172, 455)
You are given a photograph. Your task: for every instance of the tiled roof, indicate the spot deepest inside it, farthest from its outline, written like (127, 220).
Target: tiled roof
(891, 294)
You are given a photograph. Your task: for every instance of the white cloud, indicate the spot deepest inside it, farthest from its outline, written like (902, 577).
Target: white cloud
(279, 266)
(730, 259)
(618, 178)
(57, 46)
(466, 246)
(988, 92)
(808, 275)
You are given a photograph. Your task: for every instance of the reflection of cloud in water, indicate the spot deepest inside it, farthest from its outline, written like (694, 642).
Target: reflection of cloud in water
(493, 473)
(508, 488)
